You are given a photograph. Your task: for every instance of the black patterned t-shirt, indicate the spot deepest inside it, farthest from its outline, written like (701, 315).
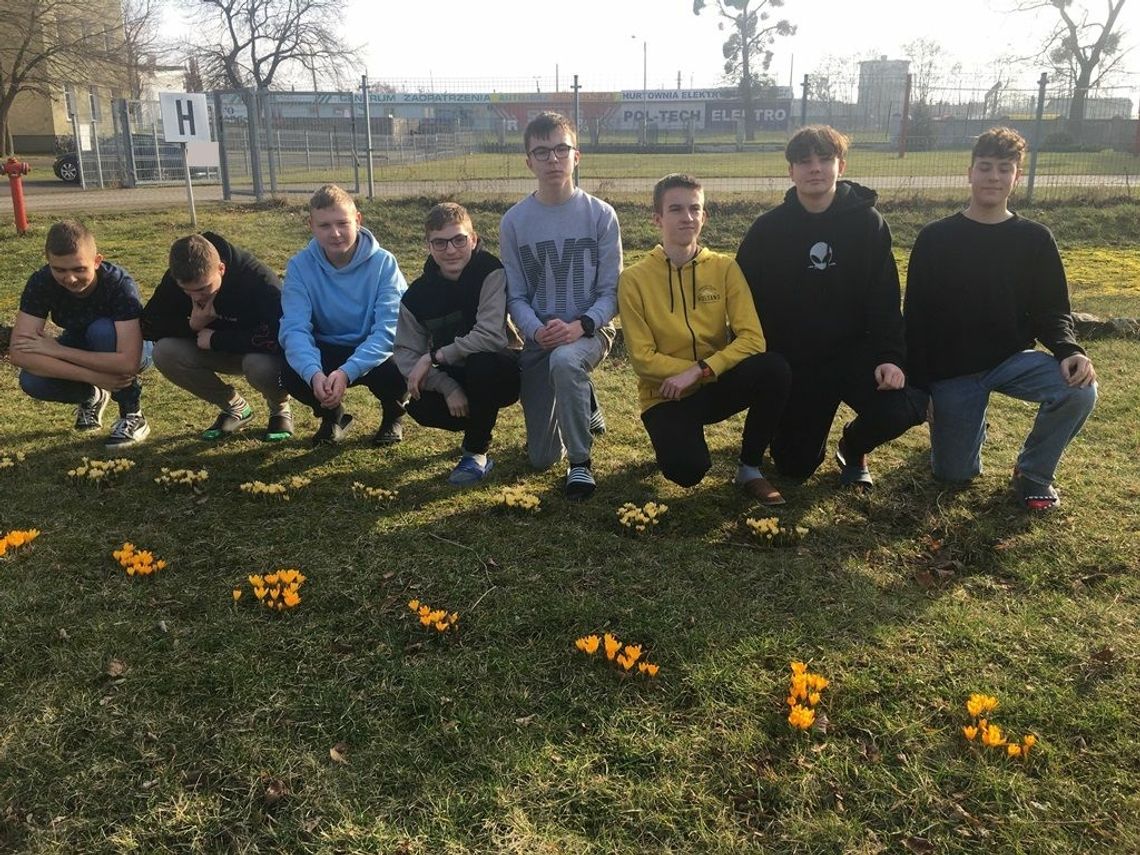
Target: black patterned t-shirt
(115, 296)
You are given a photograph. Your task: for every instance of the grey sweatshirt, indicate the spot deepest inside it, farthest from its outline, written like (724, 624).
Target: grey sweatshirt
(562, 261)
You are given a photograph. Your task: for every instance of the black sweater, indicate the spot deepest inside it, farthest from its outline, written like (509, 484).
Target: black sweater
(248, 305)
(825, 285)
(978, 293)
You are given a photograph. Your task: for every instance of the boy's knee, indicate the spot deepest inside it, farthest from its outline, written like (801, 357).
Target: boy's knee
(684, 473)
(100, 334)
(166, 353)
(565, 362)
(543, 459)
(1082, 398)
(262, 370)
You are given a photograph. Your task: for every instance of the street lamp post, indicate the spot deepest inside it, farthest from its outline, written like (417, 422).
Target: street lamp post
(644, 90)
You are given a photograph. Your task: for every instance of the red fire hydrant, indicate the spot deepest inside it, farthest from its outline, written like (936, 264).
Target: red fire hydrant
(14, 169)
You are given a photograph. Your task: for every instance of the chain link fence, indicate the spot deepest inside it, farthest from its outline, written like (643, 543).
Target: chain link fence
(909, 137)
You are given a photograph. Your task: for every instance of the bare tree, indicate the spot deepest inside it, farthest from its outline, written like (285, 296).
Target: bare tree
(143, 45)
(48, 44)
(926, 59)
(1080, 47)
(747, 53)
(259, 43)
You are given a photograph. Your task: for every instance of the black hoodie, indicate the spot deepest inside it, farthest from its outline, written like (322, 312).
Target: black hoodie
(826, 285)
(248, 305)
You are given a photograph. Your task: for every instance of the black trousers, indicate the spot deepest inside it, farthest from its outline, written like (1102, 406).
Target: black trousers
(490, 381)
(800, 443)
(384, 381)
(758, 384)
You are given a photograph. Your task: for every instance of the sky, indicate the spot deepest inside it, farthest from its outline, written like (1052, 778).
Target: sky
(513, 44)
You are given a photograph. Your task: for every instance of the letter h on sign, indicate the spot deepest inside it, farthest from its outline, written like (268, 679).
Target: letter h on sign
(184, 117)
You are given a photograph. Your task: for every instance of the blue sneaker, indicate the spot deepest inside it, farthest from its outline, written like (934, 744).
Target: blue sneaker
(468, 471)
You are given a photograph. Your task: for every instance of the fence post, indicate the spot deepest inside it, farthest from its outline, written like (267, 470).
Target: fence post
(804, 100)
(220, 135)
(308, 163)
(904, 117)
(1136, 145)
(127, 146)
(577, 119)
(332, 151)
(268, 101)
(78, 151)
(98, 154)
(355, 153)
(368, 135)
(252, 112)
(157, 151)
(1036, 138)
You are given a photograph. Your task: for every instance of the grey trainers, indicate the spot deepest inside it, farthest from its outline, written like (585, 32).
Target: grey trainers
(90, 416)
(129, 430)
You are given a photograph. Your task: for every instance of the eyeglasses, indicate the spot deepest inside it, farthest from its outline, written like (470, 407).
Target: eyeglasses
(440, 244)
(561, 152)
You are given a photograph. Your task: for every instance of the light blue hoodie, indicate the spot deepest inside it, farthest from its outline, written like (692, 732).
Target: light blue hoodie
(353, 306)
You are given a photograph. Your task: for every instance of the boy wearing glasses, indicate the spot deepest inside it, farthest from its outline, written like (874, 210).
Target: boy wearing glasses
(339, 306)
(826, 287)
(678, 307)
(561, 248)
(454, 345)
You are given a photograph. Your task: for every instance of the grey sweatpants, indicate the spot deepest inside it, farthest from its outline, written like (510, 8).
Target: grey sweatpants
(555, 398)
(184, 364)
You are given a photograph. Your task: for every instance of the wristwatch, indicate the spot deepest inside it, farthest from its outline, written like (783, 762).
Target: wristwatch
(435, 363)
(587, 326)
(706, 372)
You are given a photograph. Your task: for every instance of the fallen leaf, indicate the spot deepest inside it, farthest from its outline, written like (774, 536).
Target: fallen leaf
(870, 751)
(192, 779)
(492, 564)
(1103, 656)
(275, 791)
(920, 845)
(822, 723)
(389, 575)
(162, 627)
(116, 668)
(526, 719)
(925, 579)
(339, 752)
(63, 636)
(151, 784)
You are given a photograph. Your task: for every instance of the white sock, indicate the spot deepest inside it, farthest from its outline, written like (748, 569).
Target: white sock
(746, 473)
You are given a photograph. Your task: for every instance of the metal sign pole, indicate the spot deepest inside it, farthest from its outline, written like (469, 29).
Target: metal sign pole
(189, 188)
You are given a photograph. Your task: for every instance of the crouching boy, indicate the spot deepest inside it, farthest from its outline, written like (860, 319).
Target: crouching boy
(679, 305)
(454, 345)
(100, 354)
(216, 311)
(339, 308)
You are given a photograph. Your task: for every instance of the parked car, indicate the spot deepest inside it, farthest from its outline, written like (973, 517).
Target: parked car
(166, 166)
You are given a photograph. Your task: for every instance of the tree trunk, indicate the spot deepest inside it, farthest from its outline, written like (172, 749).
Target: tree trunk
(746, 84)
(1078, 105)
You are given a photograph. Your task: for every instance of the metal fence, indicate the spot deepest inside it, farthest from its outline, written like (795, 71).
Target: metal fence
(909, 137)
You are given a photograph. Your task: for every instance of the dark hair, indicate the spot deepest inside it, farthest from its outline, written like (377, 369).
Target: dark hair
(545, 124)
(330, 196)
(820, 140)
(192, 258)
(673, 179)
(68, 237)
(444, 214)
(1002, 143)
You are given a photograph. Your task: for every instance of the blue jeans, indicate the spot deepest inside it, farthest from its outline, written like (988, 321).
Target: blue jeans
(959, 426)
(98, 337)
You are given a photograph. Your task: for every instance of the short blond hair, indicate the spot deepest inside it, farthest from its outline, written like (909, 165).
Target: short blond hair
(446, 214)
(331, 196)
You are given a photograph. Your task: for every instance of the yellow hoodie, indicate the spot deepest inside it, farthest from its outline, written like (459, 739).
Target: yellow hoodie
(671, 318)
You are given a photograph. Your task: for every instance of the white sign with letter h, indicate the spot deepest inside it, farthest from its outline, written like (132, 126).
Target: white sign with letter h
(185, 117)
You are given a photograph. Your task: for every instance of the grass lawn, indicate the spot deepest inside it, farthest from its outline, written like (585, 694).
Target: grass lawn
(158, 715)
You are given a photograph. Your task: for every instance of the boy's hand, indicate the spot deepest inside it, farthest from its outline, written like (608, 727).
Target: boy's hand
(202, 314)
(1078, 370)
(42, 344)
(889, 376)
(557, 333)
(675, 386)
(336, 384)
(204, 337)
(419, 373)
(120, 381)
(457, 403)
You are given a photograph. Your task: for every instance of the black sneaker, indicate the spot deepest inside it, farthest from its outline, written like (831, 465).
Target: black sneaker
(1034, 496)
(228, 422)
(580, 483)
(129, 430)
(332, 429)
(90, 416)
(389, 432)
